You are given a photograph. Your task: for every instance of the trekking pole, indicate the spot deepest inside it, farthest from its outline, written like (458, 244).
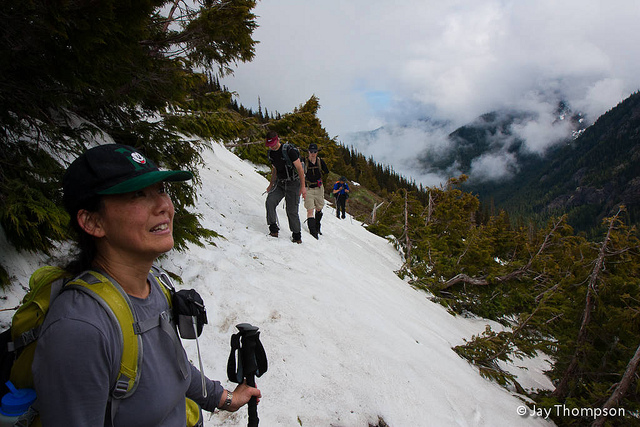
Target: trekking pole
(251, 363)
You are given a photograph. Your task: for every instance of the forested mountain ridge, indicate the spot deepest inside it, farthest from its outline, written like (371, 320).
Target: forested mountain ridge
(494, 133)
(586, 177)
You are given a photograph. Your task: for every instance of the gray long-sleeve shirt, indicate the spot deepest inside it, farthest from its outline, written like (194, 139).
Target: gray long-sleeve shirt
(77, 362)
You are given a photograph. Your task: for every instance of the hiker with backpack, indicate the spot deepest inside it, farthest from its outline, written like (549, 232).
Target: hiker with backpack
(314, 167)
(287, 178)
(123, 217)
(341, 193)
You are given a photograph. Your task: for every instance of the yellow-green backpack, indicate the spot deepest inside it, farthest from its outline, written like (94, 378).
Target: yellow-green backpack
(44, 286)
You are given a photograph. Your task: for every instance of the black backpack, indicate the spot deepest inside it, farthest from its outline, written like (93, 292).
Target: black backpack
(286, 149)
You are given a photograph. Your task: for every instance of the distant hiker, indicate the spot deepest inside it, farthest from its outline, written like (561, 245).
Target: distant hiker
(286, 176)
(314, 167)
(123, 217)
(341, 193)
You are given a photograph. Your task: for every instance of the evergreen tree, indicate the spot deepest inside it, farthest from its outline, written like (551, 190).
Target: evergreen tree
(120, 70)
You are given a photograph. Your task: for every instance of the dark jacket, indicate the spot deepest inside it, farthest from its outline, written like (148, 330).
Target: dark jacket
(284, 169)
(313, 172)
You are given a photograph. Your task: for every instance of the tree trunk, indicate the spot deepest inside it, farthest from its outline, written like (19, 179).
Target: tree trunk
(238, 144)
(375, 209)
(406, 229)
(170, 17)
(463, 278)
(622, 388)
(429, 210)
(563, 386)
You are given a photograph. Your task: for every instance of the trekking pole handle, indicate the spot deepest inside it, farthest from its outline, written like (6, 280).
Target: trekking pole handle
(249, 335)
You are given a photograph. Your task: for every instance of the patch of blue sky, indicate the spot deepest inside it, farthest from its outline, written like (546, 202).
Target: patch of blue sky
(378, 100)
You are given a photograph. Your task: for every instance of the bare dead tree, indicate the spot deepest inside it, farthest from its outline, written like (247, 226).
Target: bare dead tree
(174, 6)
(238, 144)
(592, 289)
(429, 210)
(373, 212)
(622, 387)
(406, 228)
(464, 278)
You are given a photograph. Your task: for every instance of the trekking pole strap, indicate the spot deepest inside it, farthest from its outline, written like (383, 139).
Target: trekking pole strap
(234, 370)
(252, 359)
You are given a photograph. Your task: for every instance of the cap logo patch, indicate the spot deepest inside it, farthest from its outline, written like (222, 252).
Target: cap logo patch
(138, 158)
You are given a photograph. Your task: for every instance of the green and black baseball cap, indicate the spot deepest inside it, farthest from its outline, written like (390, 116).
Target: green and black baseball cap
(112, 169)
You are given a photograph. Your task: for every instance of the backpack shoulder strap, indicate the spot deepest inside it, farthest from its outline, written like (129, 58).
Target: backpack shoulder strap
(117, 304)
(285, 153)
(286, 147)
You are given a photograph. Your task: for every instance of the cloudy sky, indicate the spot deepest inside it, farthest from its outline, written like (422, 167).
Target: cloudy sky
(375, 63)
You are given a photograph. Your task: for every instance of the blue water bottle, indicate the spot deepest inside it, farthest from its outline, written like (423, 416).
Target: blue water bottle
(15, 403)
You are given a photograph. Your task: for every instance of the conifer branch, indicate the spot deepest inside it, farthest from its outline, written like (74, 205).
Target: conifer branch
(464, 278)
(563, 386)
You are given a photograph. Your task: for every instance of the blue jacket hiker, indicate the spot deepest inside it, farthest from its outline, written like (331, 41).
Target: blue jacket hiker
(341, 192)
(287, 182)
(123, 217)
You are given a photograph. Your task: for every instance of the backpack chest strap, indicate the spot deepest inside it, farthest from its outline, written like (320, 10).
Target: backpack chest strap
(142, 326)
(166, 323)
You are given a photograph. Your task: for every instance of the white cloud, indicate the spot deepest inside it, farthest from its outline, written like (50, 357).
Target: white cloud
(603, 95)
(493, 167)
(546, 129)
(453, 60)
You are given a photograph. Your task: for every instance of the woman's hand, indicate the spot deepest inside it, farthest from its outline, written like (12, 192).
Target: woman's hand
(241, 396)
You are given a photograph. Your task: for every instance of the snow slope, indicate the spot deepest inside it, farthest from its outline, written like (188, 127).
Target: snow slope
(347, 340)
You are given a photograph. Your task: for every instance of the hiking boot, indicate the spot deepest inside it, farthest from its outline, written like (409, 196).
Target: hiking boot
(318, 218)
(273, 230)
(311, 222)
(296, 238)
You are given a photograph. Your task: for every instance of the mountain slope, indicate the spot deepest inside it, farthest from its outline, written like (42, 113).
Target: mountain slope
(589, 177)
(347, 340)
(586, 177)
